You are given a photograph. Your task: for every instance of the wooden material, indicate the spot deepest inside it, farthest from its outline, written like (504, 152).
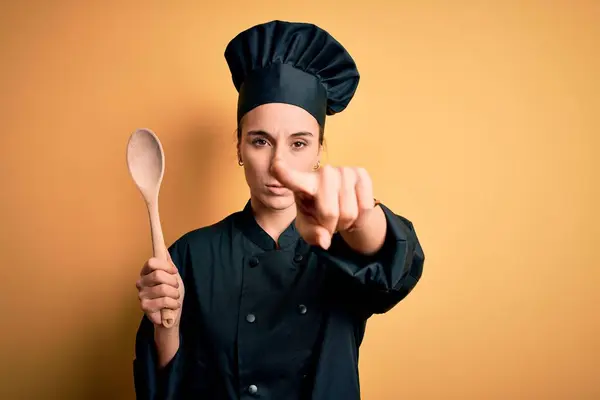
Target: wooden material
(146, 163)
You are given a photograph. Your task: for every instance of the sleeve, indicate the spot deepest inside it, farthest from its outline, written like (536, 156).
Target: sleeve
(378, 282)
(150, 382)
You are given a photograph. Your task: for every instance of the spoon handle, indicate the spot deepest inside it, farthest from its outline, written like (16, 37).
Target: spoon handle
(160, 252)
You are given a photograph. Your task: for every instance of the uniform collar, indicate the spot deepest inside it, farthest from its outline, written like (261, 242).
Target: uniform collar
(253, 231)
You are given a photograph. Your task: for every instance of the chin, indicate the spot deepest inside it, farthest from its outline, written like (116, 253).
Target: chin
(277, 202)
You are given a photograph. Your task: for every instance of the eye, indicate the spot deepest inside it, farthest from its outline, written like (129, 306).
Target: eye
(259, 142)
(298, 144)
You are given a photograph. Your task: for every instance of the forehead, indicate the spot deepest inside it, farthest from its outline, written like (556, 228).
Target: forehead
(279, 118)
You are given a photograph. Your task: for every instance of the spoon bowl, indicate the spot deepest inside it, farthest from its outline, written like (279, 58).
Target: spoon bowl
(146, 163)
(146, 160)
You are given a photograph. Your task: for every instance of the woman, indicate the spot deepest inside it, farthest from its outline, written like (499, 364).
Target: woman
(272, 301)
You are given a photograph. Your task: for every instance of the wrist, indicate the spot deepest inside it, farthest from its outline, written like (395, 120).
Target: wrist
(368, 236)
(166, 341)
(162, 334)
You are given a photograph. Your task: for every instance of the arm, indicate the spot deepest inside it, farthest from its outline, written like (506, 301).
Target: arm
(159, 359)
(370, 237)
(383, 259)
(153, 381)
(167, 344)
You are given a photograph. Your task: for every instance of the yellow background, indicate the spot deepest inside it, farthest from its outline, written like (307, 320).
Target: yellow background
(478, 120)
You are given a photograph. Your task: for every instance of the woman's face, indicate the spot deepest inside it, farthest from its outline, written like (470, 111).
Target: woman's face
(277, 131)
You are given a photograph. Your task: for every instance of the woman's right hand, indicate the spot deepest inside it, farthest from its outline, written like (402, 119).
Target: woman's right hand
(160, 286)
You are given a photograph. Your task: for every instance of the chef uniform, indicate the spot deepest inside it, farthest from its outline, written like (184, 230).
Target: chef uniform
(267, 320)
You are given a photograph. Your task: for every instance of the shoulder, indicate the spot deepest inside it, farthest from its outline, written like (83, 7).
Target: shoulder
(203, 236)
(200, 243)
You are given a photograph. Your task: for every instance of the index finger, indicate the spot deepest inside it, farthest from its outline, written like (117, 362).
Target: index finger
(296, 181)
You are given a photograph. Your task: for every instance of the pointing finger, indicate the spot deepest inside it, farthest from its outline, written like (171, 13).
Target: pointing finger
(296, 181)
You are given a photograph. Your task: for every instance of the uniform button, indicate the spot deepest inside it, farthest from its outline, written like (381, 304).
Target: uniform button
(250, 318)
(254, 262)
(298, 258)
(302, 309)
(252, 389)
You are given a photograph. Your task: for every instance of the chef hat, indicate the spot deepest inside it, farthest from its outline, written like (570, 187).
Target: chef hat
(292, 63)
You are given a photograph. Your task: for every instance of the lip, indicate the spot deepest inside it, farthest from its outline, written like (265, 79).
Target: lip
(277, 190)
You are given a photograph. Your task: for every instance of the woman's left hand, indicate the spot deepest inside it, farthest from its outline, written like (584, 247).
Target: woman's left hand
(328, 200)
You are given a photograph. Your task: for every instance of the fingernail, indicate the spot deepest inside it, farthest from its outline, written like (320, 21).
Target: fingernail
(325, 242)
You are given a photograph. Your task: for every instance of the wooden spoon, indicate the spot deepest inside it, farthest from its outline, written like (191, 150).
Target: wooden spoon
(146, 163)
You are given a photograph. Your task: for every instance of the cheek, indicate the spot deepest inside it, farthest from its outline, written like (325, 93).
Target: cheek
(304, 160)
(256, 166)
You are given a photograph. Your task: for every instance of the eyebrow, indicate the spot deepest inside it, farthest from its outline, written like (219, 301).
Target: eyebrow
(269, 136)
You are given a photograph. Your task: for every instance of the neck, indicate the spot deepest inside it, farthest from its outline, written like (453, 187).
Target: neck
(272, 221)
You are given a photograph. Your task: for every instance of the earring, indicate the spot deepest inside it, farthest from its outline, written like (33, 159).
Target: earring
(240, 162)
(316, 167)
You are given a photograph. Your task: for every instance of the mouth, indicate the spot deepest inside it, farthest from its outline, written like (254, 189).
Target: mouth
(276, 189)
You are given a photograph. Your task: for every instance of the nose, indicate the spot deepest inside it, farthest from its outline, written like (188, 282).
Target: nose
(275, 160)
(278, 155)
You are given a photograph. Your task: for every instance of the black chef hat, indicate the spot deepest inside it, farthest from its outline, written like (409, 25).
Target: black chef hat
(293, 63)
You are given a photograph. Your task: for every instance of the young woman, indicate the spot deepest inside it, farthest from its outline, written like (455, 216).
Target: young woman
(272, 301)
